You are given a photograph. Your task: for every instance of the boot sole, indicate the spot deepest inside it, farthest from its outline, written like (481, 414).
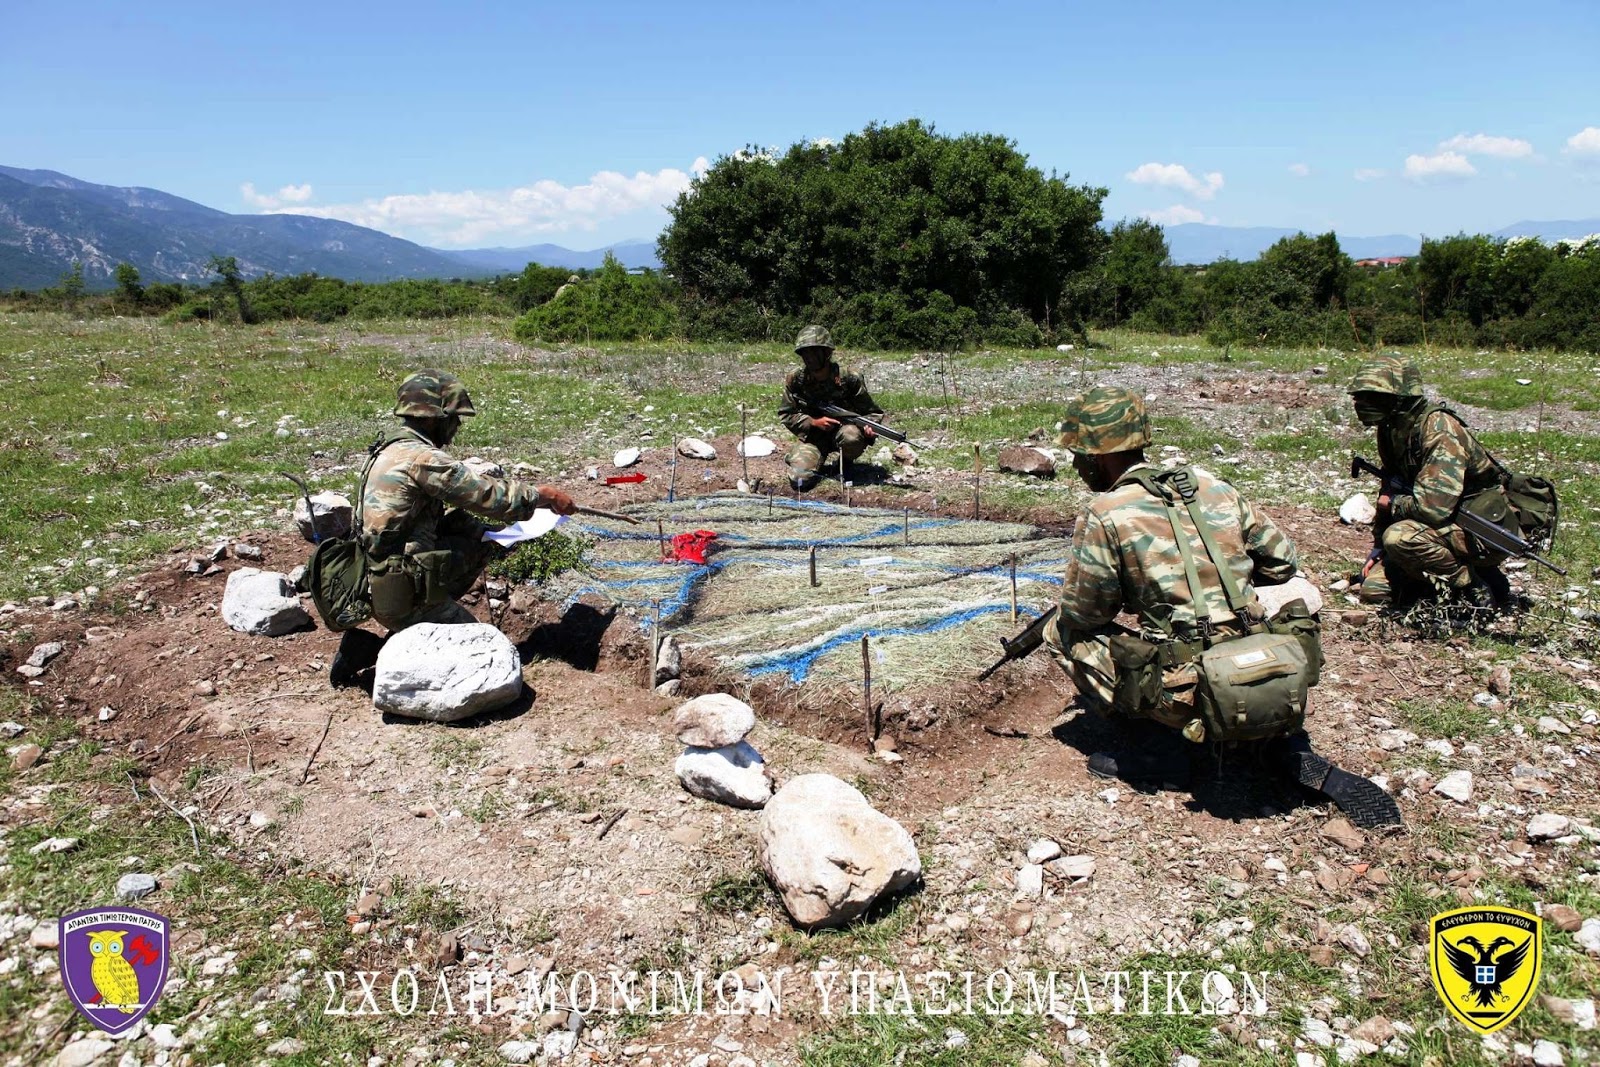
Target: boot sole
(1368, 806)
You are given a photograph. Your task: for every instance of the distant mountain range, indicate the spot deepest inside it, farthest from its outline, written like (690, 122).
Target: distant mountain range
(48, 220)
(1197, 242)
(636, 253)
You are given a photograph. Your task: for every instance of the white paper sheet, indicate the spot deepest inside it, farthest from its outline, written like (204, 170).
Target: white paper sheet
(543, 522)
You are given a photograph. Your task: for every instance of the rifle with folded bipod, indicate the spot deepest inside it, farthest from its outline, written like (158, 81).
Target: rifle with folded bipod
(1491, 534)
(834, 411)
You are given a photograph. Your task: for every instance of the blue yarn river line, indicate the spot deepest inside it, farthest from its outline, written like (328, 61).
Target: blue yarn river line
(798, 664)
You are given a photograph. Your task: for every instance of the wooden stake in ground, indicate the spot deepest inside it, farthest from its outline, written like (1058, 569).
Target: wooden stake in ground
(672, 480)
(844, 486)
(744, 460)
(906, 528)
(1013, 589)
(305, 773)
(977, 478)
(813, 566)
(661, 535)
(866, 692)
(655, 643)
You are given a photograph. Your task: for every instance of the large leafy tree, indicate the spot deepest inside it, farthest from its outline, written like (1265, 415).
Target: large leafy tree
(900, 225)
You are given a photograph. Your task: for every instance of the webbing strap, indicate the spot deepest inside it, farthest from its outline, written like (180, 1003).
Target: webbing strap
(1183, 480)
(373, 451)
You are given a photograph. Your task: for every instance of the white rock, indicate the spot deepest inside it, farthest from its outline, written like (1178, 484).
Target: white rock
(713, 721)
(164, 1036)
(1457, 785)
(82, 1053)
(734, 775)
(262, 603)
(1583, 1016)
(1547, 825)
(443, 673)
(1030, 881)
(1357, 511)
(1274, 597)
(559, 1045)
(1549, 724)
(46, 935)
(829, 853)
(757, 447)
(1075, 868)
(131, 887)
(1588, 936)
(695, 448)
(1547, 1054)
(1440, 747)
(626, 458)
(1316, 1031)
(334, 515)
(1395, 740)
(1043, 850)
(669, 659)
(519, 1051)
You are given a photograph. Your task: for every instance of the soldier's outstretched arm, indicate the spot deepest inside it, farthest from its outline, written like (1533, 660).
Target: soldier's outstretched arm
(497, 499)
(1442, 477)
(1272, 554)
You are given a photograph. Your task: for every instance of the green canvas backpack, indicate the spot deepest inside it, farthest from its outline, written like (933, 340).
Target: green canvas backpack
(338, 574)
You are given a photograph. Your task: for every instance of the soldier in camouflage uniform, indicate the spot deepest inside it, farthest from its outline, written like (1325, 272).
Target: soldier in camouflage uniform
(818, 383)
(1433, 466)
(422, 515)
(1125, 559)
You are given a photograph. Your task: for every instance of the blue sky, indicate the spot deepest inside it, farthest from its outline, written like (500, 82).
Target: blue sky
(502, 123)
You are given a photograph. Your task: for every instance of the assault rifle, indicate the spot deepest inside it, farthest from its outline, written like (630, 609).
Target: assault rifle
(1491, 534)
(1022, 645)
(834, 411)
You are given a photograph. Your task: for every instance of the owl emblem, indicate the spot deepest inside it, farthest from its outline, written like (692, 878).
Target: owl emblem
(112, 975)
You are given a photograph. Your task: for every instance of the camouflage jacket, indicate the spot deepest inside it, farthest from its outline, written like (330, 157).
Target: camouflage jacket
(411, 484)
(803, 398)
(1124, 557)
(1429, 449)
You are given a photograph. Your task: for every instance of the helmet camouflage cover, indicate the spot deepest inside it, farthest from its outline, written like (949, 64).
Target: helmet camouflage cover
(433, 394)
(814, 337)
(1387, 374)
(1106, 419)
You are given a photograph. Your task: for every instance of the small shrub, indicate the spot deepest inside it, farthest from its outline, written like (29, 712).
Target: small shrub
(543, 558)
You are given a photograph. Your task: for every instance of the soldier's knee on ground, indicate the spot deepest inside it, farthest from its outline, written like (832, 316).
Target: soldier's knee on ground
(803, 458)
(852, 442)
(1422, 551)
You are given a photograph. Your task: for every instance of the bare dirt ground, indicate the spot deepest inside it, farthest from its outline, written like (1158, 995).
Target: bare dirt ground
(560, 825)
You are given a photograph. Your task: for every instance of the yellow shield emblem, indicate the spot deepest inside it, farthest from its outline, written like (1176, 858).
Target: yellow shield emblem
(1486, 963)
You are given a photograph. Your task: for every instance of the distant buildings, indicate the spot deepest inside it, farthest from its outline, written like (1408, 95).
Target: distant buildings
(1382, 261)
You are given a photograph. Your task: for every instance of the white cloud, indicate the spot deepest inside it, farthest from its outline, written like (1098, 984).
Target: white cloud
(470, 217)
(1483, 144)
(1370, 174)
(289, 194)
(1177, 215)
(1444, 165)
(1586, 142)
(1299, 170)
(1176, 176)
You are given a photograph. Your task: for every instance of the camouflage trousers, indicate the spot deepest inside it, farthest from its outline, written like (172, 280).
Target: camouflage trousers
(461, 535)
(1086, 657)
(806, 458)
(1420, 557)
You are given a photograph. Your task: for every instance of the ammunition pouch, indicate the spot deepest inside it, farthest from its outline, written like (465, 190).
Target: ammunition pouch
(405, 584)
(1138, 678)
(1295, 620)
(1254, 687)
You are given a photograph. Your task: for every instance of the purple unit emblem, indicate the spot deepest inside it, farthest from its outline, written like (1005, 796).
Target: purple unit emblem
(114, 964)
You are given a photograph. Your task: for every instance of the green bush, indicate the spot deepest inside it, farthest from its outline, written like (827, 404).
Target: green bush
(543, 558)
(613, 305)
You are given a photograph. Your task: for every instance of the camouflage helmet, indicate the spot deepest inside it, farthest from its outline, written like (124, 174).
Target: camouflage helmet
(1106, 419)
(433, 394)
(1387, 374)
(814, 337)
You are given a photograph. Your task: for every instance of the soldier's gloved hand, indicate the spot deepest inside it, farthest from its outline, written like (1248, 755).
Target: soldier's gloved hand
(823, 422)
(1372, 561)
(556, 500)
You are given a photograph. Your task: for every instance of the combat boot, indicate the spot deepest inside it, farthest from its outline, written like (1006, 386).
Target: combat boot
(802, 482)
(1368, 806)
(358, 653)
(1477, 594)
(1151, 753)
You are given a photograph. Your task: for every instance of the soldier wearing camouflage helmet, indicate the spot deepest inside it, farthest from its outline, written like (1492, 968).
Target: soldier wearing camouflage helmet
(1433, 466)
(1126, 558)
(806, 391)
(422, 516)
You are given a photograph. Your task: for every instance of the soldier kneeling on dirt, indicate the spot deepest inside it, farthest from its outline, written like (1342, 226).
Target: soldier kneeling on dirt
(420, 518)
(1433, 468)
(806, 392)
(1183, 551)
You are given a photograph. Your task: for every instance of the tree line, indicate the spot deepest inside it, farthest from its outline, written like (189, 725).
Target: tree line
(899, 236)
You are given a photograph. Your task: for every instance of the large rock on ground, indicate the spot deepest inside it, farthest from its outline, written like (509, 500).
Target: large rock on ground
(1021, 459)
(443, 673)
(714, 720)
(735, 775)
(334, 515)
(829, 853)
(1357, 511)
(1274, 597)
(262, 603)
(695, 448)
